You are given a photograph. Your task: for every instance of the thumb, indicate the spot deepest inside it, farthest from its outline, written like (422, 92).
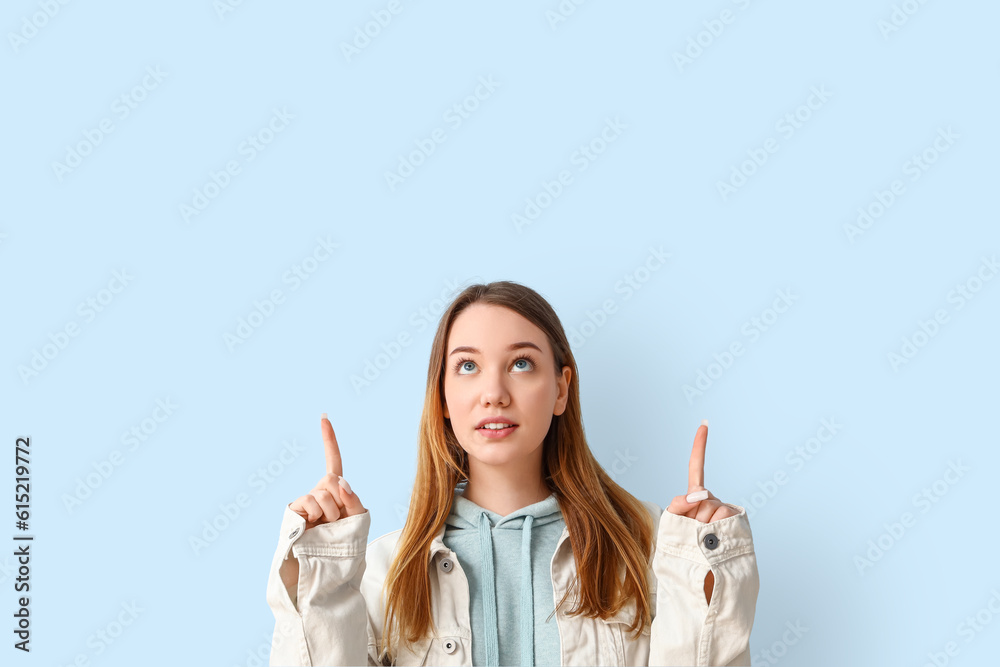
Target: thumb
(681, 504)
(352, 504)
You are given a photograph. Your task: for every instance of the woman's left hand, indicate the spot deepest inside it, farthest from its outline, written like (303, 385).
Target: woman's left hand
(705, 506)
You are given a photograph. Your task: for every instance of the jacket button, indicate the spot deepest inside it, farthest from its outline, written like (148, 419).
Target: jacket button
(292, 534)
(447, 566)
(711, 541)
(450, 646)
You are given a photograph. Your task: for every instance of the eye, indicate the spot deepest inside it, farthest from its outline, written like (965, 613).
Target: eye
(459, 366)
(524, 357)
(523, 363)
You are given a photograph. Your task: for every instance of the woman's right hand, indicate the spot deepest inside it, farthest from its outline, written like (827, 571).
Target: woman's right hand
(331, 498)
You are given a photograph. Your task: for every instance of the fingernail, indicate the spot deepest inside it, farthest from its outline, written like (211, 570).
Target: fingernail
(704, 422)
(347, 487)
(697, 496)
(323, 416)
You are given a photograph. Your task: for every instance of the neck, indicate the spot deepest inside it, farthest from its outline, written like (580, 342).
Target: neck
(503, 495)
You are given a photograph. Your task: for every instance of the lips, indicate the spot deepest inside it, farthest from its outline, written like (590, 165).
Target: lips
(498, 434)
(494, 420)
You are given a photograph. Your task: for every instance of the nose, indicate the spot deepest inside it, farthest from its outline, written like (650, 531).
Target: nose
(495, 390)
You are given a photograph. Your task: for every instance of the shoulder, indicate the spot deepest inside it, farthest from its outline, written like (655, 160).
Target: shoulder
(382, 549)
(655, 512)
(378, 558)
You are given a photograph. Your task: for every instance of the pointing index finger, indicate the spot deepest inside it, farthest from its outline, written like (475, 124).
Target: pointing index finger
(330, 446)
(696, 466)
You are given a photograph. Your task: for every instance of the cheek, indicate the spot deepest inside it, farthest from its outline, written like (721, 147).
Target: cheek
(540, 396)
(448, 401)
(456, 400)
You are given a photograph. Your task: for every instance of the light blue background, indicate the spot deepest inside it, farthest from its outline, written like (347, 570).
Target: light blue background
(450, 223)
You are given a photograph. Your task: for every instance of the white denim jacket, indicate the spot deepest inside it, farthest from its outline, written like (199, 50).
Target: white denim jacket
(335, 615)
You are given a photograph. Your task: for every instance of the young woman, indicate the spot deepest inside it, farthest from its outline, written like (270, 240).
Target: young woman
(518, 547)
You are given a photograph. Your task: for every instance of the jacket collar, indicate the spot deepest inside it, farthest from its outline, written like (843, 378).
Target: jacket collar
(438, 545)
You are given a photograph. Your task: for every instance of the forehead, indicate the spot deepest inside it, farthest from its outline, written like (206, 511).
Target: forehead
(492, 328)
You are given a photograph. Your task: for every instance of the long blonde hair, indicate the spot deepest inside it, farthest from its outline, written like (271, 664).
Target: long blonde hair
(609, 529)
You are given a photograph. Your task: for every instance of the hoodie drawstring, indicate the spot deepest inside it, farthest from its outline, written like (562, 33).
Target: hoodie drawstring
(489, 591)
(490, 597)
(527, 597)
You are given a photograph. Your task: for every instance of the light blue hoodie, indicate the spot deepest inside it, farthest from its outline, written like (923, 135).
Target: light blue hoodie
(507, 560)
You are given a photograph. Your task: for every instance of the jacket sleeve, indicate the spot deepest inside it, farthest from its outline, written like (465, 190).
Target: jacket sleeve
(321, 618)
(685, 629)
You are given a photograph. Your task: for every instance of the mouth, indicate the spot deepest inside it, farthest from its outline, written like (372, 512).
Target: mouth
(496, 430)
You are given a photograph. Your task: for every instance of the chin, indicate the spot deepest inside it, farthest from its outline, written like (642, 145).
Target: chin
(497, 459)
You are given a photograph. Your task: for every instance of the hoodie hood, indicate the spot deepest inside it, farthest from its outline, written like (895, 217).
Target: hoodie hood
(469, 522)
(465, 514)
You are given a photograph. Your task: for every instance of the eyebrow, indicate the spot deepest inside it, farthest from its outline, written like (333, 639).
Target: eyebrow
(512, 347)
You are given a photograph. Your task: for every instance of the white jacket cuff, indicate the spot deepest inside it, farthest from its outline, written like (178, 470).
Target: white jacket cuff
(686, 629)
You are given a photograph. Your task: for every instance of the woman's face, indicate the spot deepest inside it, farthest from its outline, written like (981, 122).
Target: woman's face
(485, 378)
